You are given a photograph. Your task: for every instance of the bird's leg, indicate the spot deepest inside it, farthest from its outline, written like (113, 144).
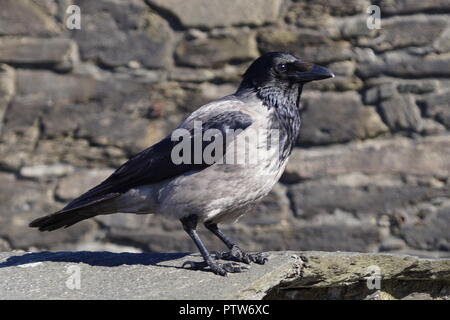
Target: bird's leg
(235, 253)
(189, 225)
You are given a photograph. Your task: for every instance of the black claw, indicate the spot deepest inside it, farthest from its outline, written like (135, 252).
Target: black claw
(234, 267)
(246, 259)
(230, 256)
(218, 269)
(215, 267)
(236, 254)
(259, 258)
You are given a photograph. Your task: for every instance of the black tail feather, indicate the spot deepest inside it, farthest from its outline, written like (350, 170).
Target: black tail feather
(61, 219)
(67, 217)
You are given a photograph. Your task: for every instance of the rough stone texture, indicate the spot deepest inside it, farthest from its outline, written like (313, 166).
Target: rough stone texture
(417, 235)
(73, 185)
(7, 90)
(385, 88)
(423, 157)
(34, 51)
(43, 86)
(402, 64)
(111, 26)
(345, 276)
(411, 6)
(217, 51)
(44, 171)
(213, 13)
(442, 43)
(320, 14)
(363, 197)
(438, 107)
(402, 32)
(326, 121)
(25, 200)
(401, 113)
(287, 275)
(310, 45)
(370, 171)
(22, 17)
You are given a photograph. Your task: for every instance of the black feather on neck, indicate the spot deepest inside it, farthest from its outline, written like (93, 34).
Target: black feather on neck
(284, 102)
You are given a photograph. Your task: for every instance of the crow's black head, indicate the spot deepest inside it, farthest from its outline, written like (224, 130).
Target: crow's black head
(281, 68)
(277, 78)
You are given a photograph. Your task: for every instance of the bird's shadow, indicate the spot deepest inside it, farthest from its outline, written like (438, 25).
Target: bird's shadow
(94, 258)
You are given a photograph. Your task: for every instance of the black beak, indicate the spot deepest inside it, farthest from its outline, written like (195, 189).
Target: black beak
(316, 73)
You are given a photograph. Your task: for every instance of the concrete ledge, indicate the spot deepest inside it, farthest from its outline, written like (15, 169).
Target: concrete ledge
(287, 275)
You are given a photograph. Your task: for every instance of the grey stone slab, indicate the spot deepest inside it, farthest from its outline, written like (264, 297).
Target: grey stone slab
(105, 275)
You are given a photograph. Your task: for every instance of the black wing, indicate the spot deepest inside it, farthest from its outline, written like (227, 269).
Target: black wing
(155, 164)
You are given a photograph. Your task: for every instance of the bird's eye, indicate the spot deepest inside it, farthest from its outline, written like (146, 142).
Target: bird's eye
(282, 67)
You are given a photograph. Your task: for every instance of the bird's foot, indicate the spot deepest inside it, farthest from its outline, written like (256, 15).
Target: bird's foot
(218, 268)
(236, 254)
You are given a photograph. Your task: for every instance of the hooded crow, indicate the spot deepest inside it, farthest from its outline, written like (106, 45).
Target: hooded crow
(215, 166)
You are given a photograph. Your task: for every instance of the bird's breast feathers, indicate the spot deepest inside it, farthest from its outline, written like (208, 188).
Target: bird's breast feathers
(250, 168)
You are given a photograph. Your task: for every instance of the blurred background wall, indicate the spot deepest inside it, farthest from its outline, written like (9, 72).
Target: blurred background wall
(371, 170)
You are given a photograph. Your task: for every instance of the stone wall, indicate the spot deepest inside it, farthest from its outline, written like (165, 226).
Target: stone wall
(371, 171)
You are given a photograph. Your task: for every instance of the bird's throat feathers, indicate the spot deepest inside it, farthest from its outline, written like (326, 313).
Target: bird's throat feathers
(278, 96)
(281, 97)
(283, 102)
